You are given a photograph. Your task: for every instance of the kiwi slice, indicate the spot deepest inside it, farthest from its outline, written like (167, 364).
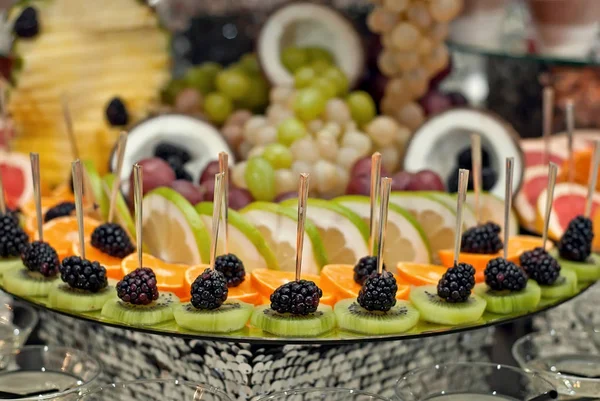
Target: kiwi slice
(62, 296)
(585, 271)
(564, 286)
(434, 309)
(288, 325)
(505, 302)
(231, 316)
(9, 264)
(25, 283)
(353, 317)
(156, 312)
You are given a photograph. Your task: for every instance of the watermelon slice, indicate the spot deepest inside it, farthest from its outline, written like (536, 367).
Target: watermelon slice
(16, 177)
(535, 181)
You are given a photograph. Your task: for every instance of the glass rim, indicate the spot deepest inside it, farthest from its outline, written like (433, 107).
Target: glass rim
(321, 389)
(497, 366)
(125, 384)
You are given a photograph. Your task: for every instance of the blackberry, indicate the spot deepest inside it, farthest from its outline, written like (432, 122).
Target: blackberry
(501, 274)
(379, 292)
(83, 274)
(465, 158)
(13, 240)
(576, 242)
(60, 210)
(116, 113)
(540, 266)
(112, 239)
(297, 297)
(232, 268)
(27, 24)
(42, 258)
(138, 287)
(483, 239)
(209, 290)
(170, 152)
(366, 266)
(456, 284)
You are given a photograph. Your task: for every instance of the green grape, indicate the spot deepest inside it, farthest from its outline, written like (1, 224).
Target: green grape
(249, 64)
(170, 92)
(258, 94)
(260, 179)
(290, 130)
(293, 58)
(340, 80)
(320, 66)
(326, 87)
(309, 103)
(303, 77)
(362, 107)
(233, 83)
(320, 53)
(278, 155)
(202, 77)
(217, 107)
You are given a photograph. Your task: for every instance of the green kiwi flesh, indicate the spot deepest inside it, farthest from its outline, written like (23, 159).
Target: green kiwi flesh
(434, 309)
(585, 271)
(9, 264)
(288, 325)
(231, 316)
(156, 312)
(62, 296)
(25, 283)
(352, 317)
(506, 302)
(564, 286)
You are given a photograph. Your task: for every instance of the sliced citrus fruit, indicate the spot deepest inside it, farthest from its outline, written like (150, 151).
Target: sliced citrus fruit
(62, 232)
(17, 179)
(535, 180)
(170, 277)
(122, 214)
(172, 229)
(582, 160)
(244, 292)
(436, 219)
(534, 150)
(492, 209)
(469, 218)
(278, 224)
(110, 263)
(344, 234)
(405, 239)
(62, 191)
(266, 281)
(339, 280)
(420, 273)
(245, 241)
(28, 209)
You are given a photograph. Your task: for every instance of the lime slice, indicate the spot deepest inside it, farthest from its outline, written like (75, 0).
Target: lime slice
(277, 224)
(492, 209)
(405, 240)
(95, 183)
(172, 229)
(469, 218)
(435, 218)
(245, 241)
(122, 214)
(345, 235)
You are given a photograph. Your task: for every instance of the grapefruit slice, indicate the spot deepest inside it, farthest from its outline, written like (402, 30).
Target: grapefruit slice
(267, 281)
(535, 180)
(110, 263)
(339, 280)
(420, 274)
(170, 277)
(405, 239)
(492, 209)
(16, 178)
(62, 232)
(244, 292)
(534, 151)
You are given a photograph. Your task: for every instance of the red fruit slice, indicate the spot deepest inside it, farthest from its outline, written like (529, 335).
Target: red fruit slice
(535, 180)
(16, 177)
(534, 152)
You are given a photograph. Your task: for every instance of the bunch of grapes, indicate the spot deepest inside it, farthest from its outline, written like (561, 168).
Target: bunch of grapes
(214, 93)
(412, 34)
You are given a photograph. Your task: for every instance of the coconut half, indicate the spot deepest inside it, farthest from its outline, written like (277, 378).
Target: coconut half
(437, 143)
(202, 140)
(304, 25)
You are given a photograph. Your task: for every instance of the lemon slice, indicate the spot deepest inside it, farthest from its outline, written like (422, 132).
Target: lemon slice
(492, 209)
(469, 218)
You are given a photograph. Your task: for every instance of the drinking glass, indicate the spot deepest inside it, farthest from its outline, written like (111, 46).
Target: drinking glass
(586, 311)
(472, 381)
(15, 327)
(322, 394)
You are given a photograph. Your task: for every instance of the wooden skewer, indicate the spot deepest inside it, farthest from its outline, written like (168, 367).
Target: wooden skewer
(476, 171)
(78, 190)
(373, 218)
(510, 161)
(570, 132)
(37, 196)
(463, 183)
(216, 217)
(2, 197)
(386, 186)
(4, 113)
(548, 117)
(593, 179)
(69, 126)
(224, 169)
(121, 144)
(302, 203)
(138, 176)
(552, 168)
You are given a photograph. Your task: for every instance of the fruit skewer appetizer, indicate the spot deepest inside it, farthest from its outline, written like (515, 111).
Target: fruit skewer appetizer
(139, 301)
(507, 288)
(13, 240)
(295, 309)
(84, 285)
(209, 310)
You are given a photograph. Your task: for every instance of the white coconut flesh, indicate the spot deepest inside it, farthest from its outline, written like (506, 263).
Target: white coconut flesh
(305, 25)
(437, 143)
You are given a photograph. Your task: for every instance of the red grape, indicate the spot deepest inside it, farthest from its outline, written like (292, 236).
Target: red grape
(193, 193)
(359, 185)
(238, 197)
(363, 167)
(457, 99)
(435, 102)
(426, 180)
(209, 171)
(401, 180)
(285, 196)
(156, 173)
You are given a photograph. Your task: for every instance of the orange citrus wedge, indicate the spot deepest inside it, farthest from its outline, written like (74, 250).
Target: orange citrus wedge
(62, 232)
(267, 281)
(28, 209)
(243, 292)
(170, 277)
(62, 191)
(339, 280)
(110, 263)
(420, 273)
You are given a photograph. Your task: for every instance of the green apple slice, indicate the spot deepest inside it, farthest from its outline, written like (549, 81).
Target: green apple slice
(492, 209)
(122, 214)
(245, 241)
(469, 218)
(278, 224)
(405, 240)
(345, 235)
(172, 230)
(92, 179)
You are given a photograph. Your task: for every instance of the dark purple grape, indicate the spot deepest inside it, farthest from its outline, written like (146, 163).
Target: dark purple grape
(465, 160)
(209, 171)
(363, 167)
(193, 193)
(401, 180)
(488, 178)
(359, 185)
(426, 180)
(457, 99)
(238, 197)
(435, 102)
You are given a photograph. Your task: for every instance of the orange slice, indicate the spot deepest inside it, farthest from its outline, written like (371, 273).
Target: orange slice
(28, 209)
(243, 292)
(112, 264)
(339, 280)
(267, 281)
(62, 232)
(170, 277)
(420, 273)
